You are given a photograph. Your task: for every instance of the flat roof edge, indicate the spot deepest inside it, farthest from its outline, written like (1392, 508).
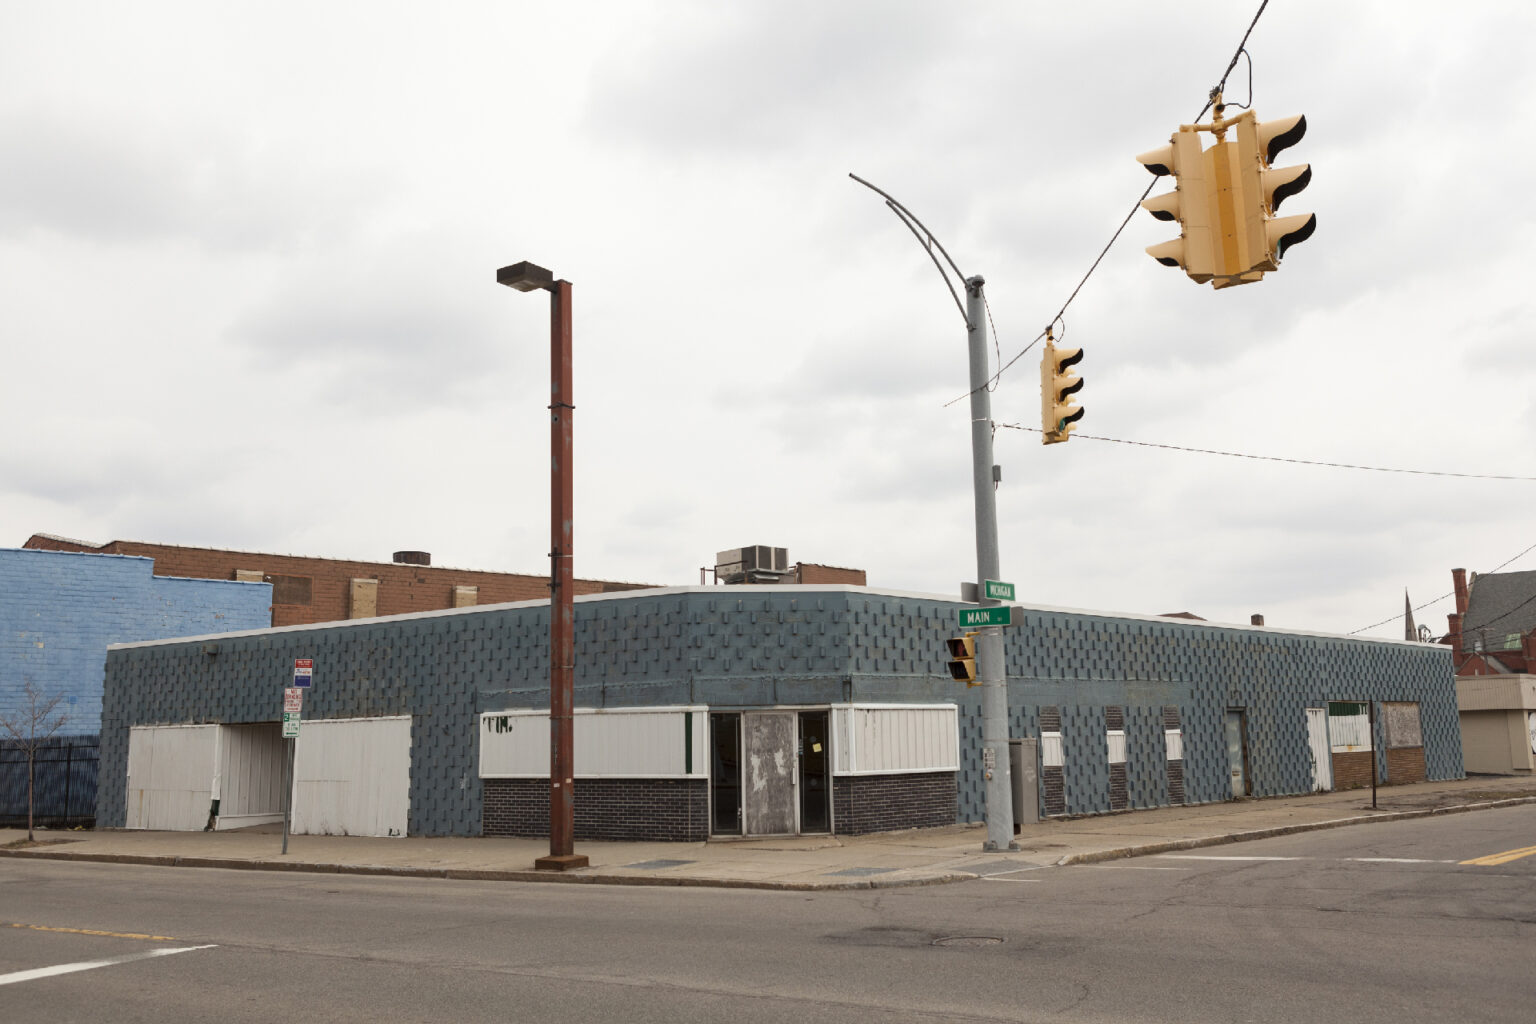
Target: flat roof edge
(737, 590)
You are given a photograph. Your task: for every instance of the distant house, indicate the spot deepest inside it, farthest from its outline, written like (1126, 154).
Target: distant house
(1493, 629)
(1492, 638)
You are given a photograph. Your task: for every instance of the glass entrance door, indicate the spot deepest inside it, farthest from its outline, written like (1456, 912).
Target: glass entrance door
(725, 773)
(815, 776)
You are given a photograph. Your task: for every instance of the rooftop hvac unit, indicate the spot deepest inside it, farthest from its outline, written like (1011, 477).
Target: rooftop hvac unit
(755, 564)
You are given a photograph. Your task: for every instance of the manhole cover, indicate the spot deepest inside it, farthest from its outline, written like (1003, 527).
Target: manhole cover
(968, 940)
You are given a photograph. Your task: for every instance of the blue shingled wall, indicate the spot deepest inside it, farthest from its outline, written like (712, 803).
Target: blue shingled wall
(764, 646)
(60, 609)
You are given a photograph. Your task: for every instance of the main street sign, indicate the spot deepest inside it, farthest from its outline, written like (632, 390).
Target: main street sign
(303, 671)
(1000, 615)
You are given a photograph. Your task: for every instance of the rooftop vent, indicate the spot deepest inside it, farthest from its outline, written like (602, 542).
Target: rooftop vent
(413, 558)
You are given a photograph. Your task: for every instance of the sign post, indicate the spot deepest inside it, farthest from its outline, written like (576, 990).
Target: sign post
(293, 711)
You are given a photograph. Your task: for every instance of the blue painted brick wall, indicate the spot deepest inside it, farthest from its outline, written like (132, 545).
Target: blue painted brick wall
(60, 609)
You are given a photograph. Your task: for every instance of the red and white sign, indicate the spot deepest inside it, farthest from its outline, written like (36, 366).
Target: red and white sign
(293, 699)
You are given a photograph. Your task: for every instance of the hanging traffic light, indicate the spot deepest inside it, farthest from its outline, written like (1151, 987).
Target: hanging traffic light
(1058, 415)
(1190, 204)
(962, 657)
(1226, 198)
(1258, 189)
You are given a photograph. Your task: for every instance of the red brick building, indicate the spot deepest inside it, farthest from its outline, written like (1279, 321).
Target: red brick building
(309, 590)
(1493, 629)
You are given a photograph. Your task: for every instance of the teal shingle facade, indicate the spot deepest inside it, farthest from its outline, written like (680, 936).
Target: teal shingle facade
(744, 647)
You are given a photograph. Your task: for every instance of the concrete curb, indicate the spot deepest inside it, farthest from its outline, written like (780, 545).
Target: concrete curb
(1174, 845)
(695, 881)
(481, 874)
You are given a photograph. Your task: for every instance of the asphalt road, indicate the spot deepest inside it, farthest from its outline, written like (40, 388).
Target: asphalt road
(1376, 923)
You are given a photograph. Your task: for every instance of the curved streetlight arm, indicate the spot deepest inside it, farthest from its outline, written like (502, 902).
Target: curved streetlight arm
(926, 239)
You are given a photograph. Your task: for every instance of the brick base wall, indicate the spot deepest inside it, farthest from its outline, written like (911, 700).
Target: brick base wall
(1118, 798)
(665, 810)
(1352, 770)
(1053, 786)
(1405, 764)
(883, 803)
(1176, 782)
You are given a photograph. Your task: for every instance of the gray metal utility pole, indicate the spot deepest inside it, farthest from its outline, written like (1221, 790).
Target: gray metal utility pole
(991, 670)
(991, 666)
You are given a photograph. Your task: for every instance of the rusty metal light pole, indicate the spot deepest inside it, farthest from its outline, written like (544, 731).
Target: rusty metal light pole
(527, 277)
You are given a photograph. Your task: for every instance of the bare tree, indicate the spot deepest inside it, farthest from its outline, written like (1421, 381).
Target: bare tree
(30, 726)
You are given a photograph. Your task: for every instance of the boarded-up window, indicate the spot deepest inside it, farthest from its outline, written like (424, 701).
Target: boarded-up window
(291, 589)
(1349, 728)
(466, 597)
(1401, 724)
(250, 576)
(363, 599)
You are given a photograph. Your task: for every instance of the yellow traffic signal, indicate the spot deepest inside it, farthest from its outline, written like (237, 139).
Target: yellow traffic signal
(1058, 414)
(1190, 204)
(962, 657)
(1259, 188)
(1226, 199)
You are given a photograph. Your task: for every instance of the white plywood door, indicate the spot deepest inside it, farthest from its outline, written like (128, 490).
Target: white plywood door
(171, 776)
(352, 777)
(1318, 748)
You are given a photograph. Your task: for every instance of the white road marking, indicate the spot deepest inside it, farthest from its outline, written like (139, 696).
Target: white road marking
(1197, 856)
(996, 878)
(90, 965)
(1132, 867)
(1396, 860)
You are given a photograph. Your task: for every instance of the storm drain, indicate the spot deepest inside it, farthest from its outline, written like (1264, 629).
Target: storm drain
(653, 865)
(968, 940)
(859, 871)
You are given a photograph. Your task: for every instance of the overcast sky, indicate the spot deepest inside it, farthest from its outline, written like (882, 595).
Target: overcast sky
(248, 299)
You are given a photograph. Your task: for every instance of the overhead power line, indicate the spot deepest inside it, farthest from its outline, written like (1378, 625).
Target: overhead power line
(1278, 458)
(1442, 597)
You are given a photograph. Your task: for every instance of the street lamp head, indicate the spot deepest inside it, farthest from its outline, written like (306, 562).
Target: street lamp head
(526, 277)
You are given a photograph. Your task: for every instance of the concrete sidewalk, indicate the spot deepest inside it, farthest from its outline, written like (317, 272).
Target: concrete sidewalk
(918, 857)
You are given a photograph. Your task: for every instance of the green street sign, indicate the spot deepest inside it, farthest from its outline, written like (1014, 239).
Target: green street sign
(998, 616)
(998, 591)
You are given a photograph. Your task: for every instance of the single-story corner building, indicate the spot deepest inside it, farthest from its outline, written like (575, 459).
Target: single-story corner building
(751, 710)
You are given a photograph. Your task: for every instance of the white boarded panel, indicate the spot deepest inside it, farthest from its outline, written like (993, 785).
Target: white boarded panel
(1172, 738)
(842, 745)
(170, 776)
(899, 738)
(1349, 733)
(1115, 740)
(609, 743)
(352, 777)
